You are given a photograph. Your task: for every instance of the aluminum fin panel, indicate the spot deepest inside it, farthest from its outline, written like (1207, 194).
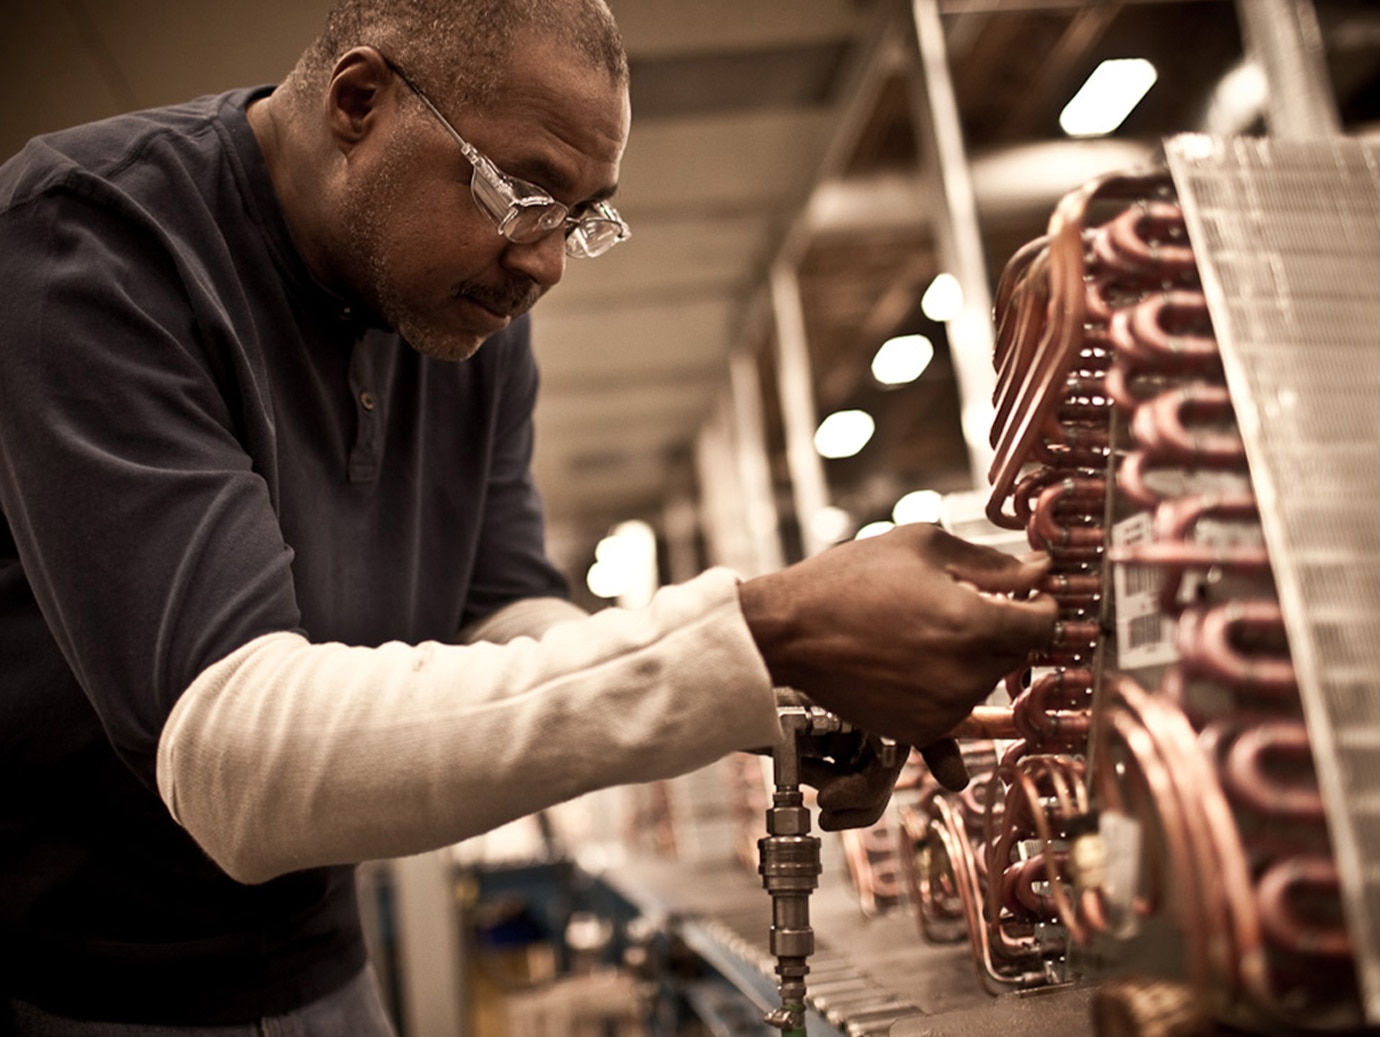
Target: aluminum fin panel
(1287, 237)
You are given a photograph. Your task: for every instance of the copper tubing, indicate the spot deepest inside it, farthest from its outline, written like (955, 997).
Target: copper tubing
(1069, 411)
(1041, 723)
(1204, 839)
(1080, 497)
(1028, 490)
(1050, 727)
(1168, 331)
(1109, 289)
(1072, 584)
(1280, 894)
(974, 810)
(1050, 320)
(1177, 518)
(1161, 426)
(953, 840)
(1149, 238)
(1071, 796)
(1181, 556)
(1041, 330)
(871, 860)
(1083, 590)
(1128, 387)
(1018, 886)
(1209, 640)
(986, 722)
(1078, 634)
(1071, 686)
(1013, 275)
(1133, 476)
(930, 899)
(1250, 780)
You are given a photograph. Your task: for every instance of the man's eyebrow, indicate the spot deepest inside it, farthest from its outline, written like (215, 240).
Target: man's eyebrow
(545, 174)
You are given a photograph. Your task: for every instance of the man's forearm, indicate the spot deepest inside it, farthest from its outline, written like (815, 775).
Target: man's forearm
(288, 755)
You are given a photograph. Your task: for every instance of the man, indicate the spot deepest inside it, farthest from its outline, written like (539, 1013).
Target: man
(251, 492)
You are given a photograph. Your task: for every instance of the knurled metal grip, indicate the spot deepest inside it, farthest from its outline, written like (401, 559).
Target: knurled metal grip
(789, 863)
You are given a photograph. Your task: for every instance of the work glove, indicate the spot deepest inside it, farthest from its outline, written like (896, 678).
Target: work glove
(854, 785)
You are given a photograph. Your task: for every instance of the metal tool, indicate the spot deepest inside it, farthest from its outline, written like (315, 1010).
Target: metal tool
(789, 866)
(789, 858)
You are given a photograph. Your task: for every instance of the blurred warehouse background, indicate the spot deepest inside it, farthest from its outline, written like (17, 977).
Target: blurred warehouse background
(794, 348)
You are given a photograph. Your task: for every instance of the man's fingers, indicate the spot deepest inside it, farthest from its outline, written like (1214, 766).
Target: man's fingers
(1000, 573)
(1028, 622)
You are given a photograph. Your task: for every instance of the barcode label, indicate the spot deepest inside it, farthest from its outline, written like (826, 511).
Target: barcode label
(1144, 634)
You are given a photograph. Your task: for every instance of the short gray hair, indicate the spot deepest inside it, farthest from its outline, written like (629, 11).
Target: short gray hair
(460, 48)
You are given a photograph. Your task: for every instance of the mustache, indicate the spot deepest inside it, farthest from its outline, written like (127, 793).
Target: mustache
(513, 297)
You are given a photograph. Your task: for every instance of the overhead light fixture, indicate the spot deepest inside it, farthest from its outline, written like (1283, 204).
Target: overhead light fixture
(943, 299)
(874, 529)
(902, 359)
(919, 506)
(625, 565)
(844, 433)
(1110, 94)
(830, 524)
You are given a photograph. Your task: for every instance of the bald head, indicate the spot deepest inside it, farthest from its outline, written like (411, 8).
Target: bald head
(461, 48)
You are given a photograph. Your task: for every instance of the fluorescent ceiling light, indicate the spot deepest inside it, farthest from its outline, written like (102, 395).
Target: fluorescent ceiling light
(874, 529)
(1109, 95)
(844, 433)
(902, 359)
(943, 299)
(625, 565)
(830, 524)
(919, 506)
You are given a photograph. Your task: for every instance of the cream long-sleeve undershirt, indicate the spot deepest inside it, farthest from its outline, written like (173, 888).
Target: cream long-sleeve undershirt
(287, 755)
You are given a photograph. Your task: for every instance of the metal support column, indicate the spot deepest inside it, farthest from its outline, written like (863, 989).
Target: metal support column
(431, 981)
(754, 467)
(957, 232)
(1284, 39)
(717, 476)
(798, 414)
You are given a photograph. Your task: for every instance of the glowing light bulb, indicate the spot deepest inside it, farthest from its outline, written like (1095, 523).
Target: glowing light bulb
(943, 299)
(920, 506)
(844, 433)
(902, 359)
(874, 529)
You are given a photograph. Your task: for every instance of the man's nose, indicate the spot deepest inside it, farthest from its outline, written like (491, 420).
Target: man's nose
(542, 260)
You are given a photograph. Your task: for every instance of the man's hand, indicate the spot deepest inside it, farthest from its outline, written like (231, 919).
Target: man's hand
(900, 634)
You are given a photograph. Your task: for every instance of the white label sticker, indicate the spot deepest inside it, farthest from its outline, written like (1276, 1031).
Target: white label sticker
(1144, 634)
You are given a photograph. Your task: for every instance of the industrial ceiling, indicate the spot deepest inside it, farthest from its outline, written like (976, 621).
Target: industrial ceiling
(765, 131)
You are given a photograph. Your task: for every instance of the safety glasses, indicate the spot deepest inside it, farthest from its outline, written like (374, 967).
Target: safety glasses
(522, 211)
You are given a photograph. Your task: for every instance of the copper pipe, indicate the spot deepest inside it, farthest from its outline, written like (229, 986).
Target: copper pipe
(1233, 939)
(1161, 426)
(1180, 556)
(1148, 237)
(1082, 497)
(986, 722)
(1133, 475)
(1279, 895)
(1209, 639)
(1018, 882)
(1047, 727)
(1167, 331)
(1249, 780)
(1177, 519)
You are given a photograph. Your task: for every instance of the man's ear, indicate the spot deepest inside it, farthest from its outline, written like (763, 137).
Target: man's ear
(360, 82)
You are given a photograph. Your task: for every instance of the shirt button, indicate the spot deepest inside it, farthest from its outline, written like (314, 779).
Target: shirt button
(367, 401)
